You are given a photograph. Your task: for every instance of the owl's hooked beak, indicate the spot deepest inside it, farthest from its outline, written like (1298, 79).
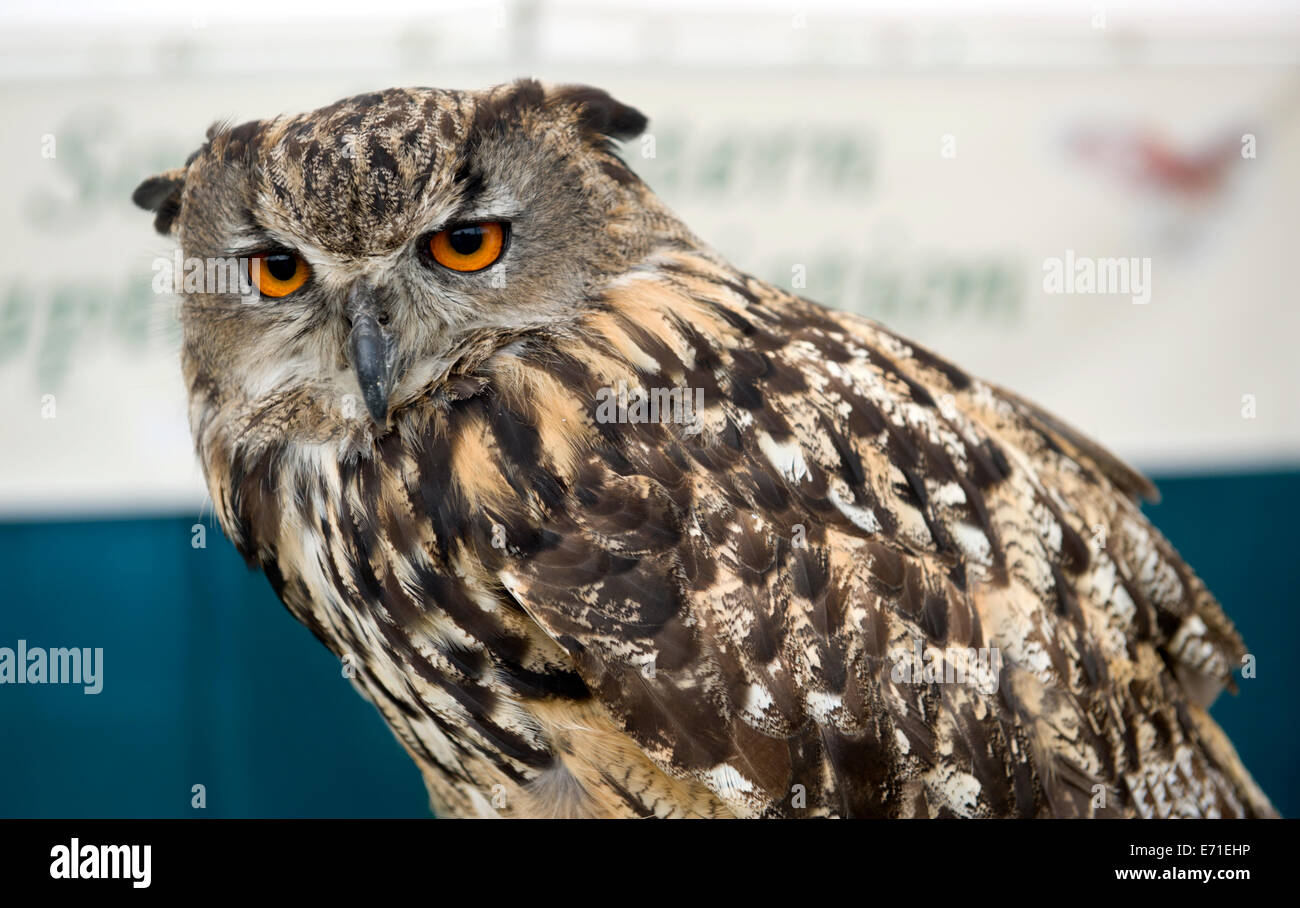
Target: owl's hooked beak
(369, 350)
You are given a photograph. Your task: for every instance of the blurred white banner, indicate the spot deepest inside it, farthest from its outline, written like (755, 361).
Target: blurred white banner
(935, 196)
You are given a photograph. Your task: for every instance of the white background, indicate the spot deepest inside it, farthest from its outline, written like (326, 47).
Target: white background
(746, 102)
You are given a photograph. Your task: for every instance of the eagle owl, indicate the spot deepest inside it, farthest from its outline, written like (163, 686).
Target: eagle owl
(607, 527)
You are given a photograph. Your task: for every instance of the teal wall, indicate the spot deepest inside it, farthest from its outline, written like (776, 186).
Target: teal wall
(208, 680)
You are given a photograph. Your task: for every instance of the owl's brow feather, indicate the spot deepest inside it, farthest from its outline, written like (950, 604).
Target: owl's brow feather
(472, 185)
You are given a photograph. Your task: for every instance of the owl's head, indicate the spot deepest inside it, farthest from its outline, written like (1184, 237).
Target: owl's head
(376, 240)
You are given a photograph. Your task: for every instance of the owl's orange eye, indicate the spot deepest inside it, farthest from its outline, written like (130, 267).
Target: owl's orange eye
(468, 247)
(277, 274)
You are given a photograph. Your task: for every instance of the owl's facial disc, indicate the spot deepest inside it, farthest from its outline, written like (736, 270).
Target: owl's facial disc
(370, 350)
(403, 236)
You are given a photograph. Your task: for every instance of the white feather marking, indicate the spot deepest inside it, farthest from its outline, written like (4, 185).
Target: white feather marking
(822, 705)
(862, 518)
(786, 456)
(949, 493)
(757, 700)
(959, 791)
(972, 541)
(728, 782)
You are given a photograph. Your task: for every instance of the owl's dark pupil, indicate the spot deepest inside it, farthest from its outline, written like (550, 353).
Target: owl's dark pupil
(282, 267)
(466, 240)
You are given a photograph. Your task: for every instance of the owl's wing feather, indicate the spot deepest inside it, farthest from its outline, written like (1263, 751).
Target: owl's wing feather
(857, 581)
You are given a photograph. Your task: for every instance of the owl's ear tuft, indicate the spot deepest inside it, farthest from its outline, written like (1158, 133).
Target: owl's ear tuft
(161, 194)
(600, 114)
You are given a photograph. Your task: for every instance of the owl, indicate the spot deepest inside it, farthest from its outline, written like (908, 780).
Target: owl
(606, 527)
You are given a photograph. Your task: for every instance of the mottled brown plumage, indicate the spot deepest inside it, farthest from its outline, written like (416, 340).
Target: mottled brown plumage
(717, 615)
